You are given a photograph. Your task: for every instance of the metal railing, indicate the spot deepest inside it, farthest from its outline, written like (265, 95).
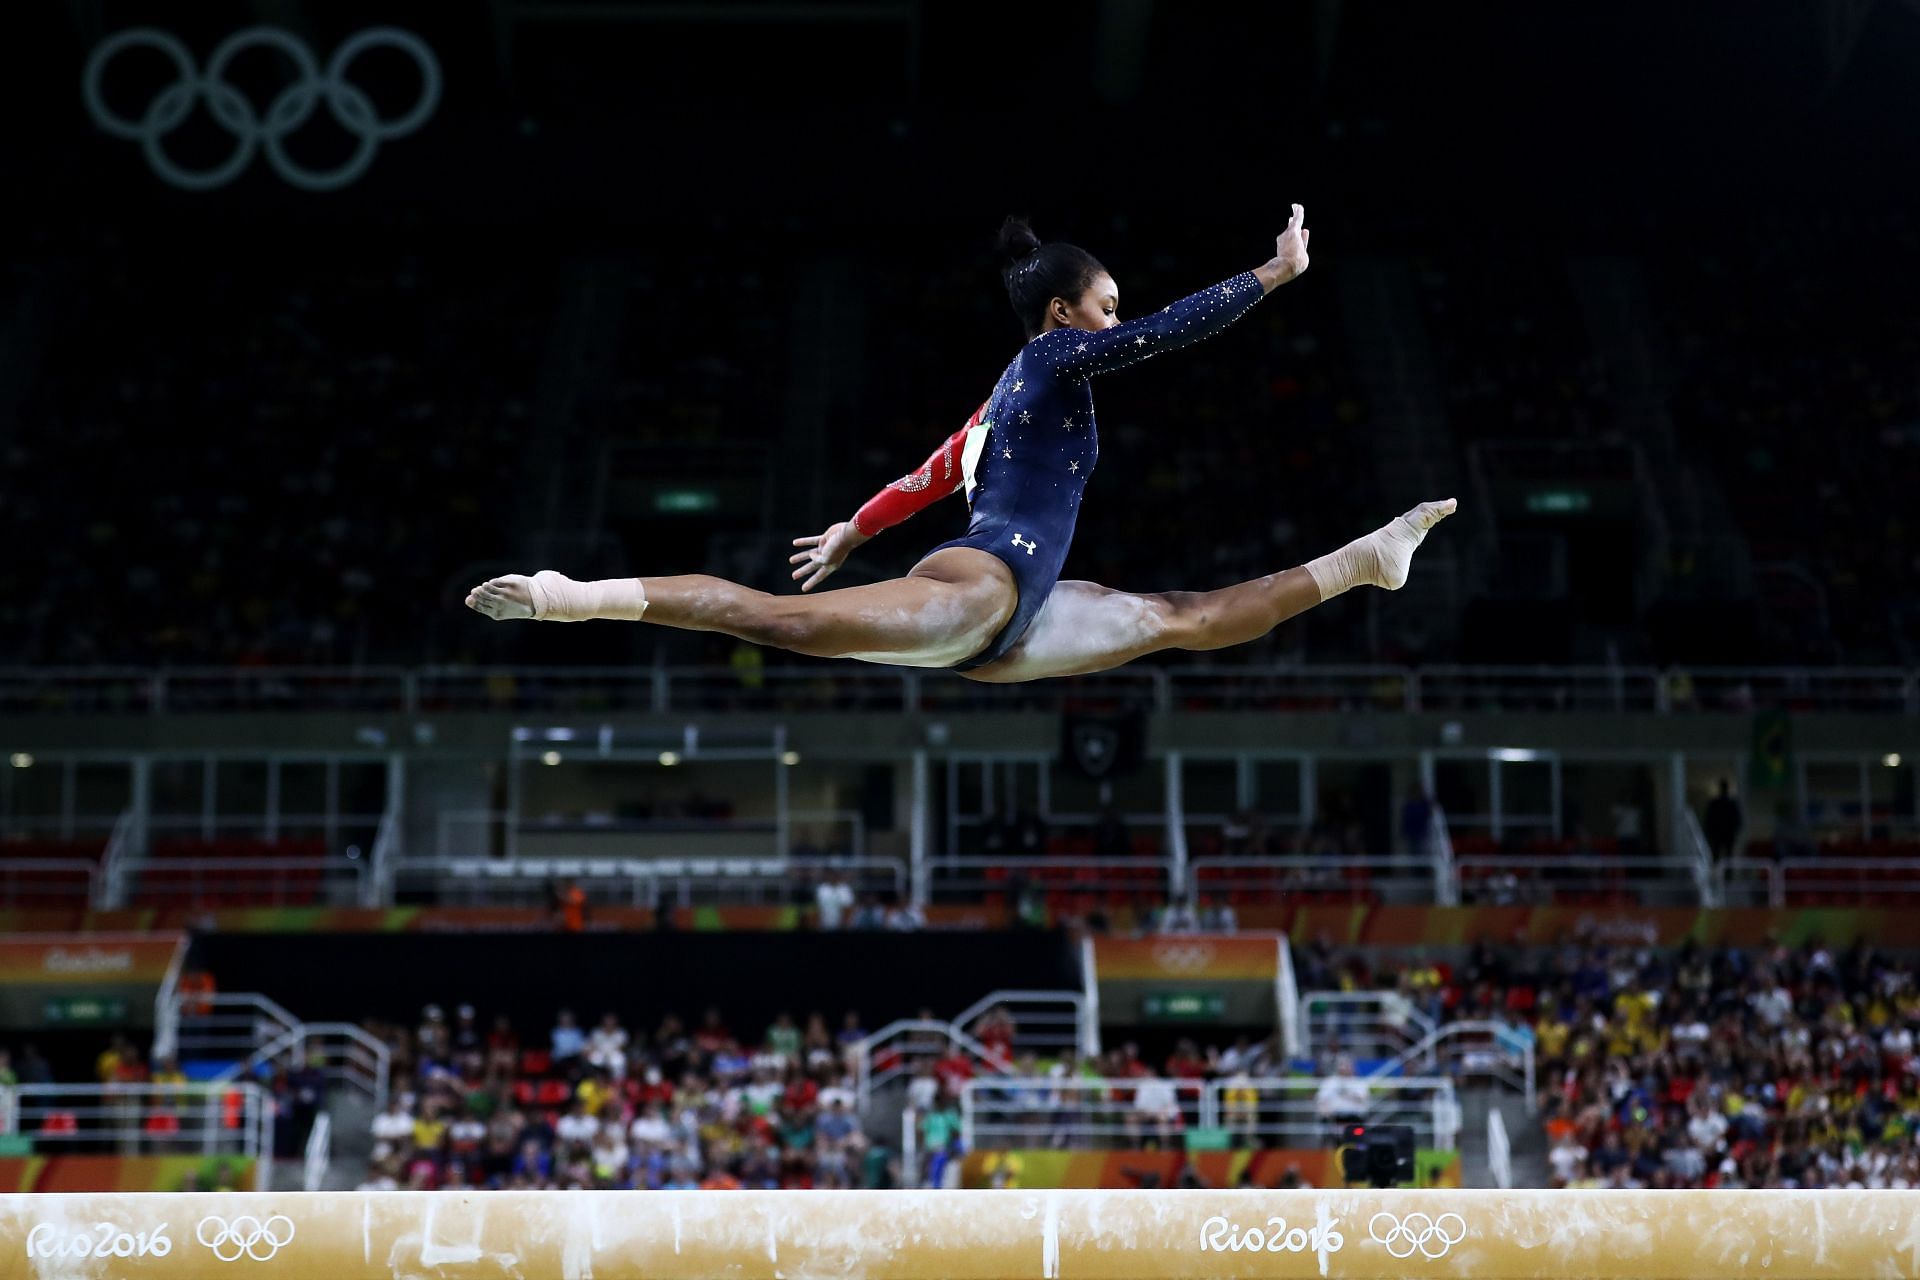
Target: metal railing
(848, 687)
(469, 833)
(1047, 1024)
(642, 881)
(74, 881)
(1507, 879)
(1490, 1050)
(143, 1118)
(1006, 873)
(1499, 1150)
(1775, 883)
(247, 1030)
(900, 1048)
(319, 1155)
(1393, 879)
(260, 881)
(1362, 1024)
(1046, 1111)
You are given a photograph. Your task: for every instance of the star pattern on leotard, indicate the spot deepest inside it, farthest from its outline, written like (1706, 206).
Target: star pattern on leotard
(1140, 342)
(1068, 424)
(1074, 467)
(1080, 350)
(1025, 416)
(1019, 383)
(1006, 453)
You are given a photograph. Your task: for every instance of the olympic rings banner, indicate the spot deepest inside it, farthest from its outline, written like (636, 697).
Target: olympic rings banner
(252, 129)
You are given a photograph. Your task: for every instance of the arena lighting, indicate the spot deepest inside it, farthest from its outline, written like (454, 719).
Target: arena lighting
(1891, 759)
(968, 1235)
(21, 760)
(669, 758)
(550, 757)
(793, 757)
(1515, 755)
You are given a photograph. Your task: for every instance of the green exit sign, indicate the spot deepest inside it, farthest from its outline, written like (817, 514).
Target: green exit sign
(685, 501)
(86, 1010)
(1559, 502)
(1183, 1006)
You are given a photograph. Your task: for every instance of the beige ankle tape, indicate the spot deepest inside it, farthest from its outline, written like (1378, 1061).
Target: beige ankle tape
(558, 598)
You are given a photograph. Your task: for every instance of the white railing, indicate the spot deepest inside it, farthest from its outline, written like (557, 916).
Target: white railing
(68, 880)
(1286, 995)
(124, 845)
(347, 1053)
(1047, 1024)
(1309, 874)
(376, 888)
(260, 881)
(469, 833)
(1493, 1050)
(847, 687)
(1004, 1112)
(642, 881)
(910, 1149)
(319, 1154)
(1067, 874)
(1769, 882)
(1362, 1024)
(898, 1049)
(1693, 841)
(1499, 1150)
(1513, 879)
(155, 1119)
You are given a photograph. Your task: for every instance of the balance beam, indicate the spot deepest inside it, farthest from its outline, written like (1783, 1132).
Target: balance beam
(966, 1235)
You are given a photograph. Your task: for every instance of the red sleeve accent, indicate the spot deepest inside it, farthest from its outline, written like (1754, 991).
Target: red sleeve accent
(940, 475)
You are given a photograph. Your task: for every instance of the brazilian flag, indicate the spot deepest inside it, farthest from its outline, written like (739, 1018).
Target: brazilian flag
(1771, 763)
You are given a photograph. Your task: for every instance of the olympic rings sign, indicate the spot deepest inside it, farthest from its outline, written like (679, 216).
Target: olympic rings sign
(232, 110)
(245, 1237)
(1431, 1237)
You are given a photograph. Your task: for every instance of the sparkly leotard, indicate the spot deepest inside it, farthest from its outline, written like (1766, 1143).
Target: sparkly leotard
(1029, 453)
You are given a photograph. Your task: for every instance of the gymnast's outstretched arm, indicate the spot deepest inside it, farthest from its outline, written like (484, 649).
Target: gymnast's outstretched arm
(940, 475)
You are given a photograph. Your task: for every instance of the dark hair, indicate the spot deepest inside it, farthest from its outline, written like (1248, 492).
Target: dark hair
(1036, 274)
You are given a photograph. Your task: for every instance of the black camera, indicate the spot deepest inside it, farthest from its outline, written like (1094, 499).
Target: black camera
(1378, 1155)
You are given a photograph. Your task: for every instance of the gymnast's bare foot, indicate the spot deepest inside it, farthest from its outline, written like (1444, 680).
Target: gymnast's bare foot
(503, 599)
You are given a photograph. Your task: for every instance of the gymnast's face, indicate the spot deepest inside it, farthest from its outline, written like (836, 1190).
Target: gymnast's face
(1097, 308)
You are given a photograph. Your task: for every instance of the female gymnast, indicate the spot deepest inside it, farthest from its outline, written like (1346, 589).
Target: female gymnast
(990, 605)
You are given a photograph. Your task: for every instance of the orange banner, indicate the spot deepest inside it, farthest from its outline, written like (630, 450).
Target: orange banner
(92, 959)
(1183, 957)
(1152, 1169)
(125, 1173)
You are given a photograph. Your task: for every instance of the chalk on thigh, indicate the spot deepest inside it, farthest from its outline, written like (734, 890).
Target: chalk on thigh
(1085, 627)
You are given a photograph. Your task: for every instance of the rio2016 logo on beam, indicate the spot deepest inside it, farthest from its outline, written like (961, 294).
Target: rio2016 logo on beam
(233, 111)
(100, 1240)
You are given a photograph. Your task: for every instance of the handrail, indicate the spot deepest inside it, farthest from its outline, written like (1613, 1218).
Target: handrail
(1440, 687)
(1806, 875)
(121, 849)
(374, 1070)
(1421, 1052)
(377, 889)
(1499, 1150)
(998, 999)
(866, 1080)
(319, 1153)
(1695, 843)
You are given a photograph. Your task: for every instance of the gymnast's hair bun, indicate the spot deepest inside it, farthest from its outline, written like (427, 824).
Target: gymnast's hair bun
(1017, 240)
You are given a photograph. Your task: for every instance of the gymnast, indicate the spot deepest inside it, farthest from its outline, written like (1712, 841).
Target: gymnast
(990, 605)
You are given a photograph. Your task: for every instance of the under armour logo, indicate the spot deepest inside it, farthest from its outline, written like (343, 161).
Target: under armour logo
(1030, 546)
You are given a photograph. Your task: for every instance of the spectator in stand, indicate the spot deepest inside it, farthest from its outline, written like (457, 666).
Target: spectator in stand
(1342, 1099)
(393, 1130)
(1110, 838)
(33, 1068)
(577, 1127)
(568, 1041)
(1722, 823)
(607, 1046)
(832, 901)
(1416, 825)
(503, 1048)
(1156, 1110)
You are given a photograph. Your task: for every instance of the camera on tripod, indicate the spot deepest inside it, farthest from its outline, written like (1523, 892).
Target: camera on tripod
(1377, 1155)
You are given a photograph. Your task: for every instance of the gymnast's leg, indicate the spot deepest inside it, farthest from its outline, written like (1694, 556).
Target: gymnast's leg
(947, 609)
(1085, 627)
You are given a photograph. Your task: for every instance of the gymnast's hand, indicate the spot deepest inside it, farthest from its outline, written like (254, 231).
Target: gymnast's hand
(1289, 253)
(825, 553)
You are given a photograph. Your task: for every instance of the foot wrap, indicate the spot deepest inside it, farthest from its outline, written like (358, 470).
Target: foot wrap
(558, 598)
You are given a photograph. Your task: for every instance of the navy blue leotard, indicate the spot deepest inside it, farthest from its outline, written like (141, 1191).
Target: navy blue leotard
(1028, 461)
